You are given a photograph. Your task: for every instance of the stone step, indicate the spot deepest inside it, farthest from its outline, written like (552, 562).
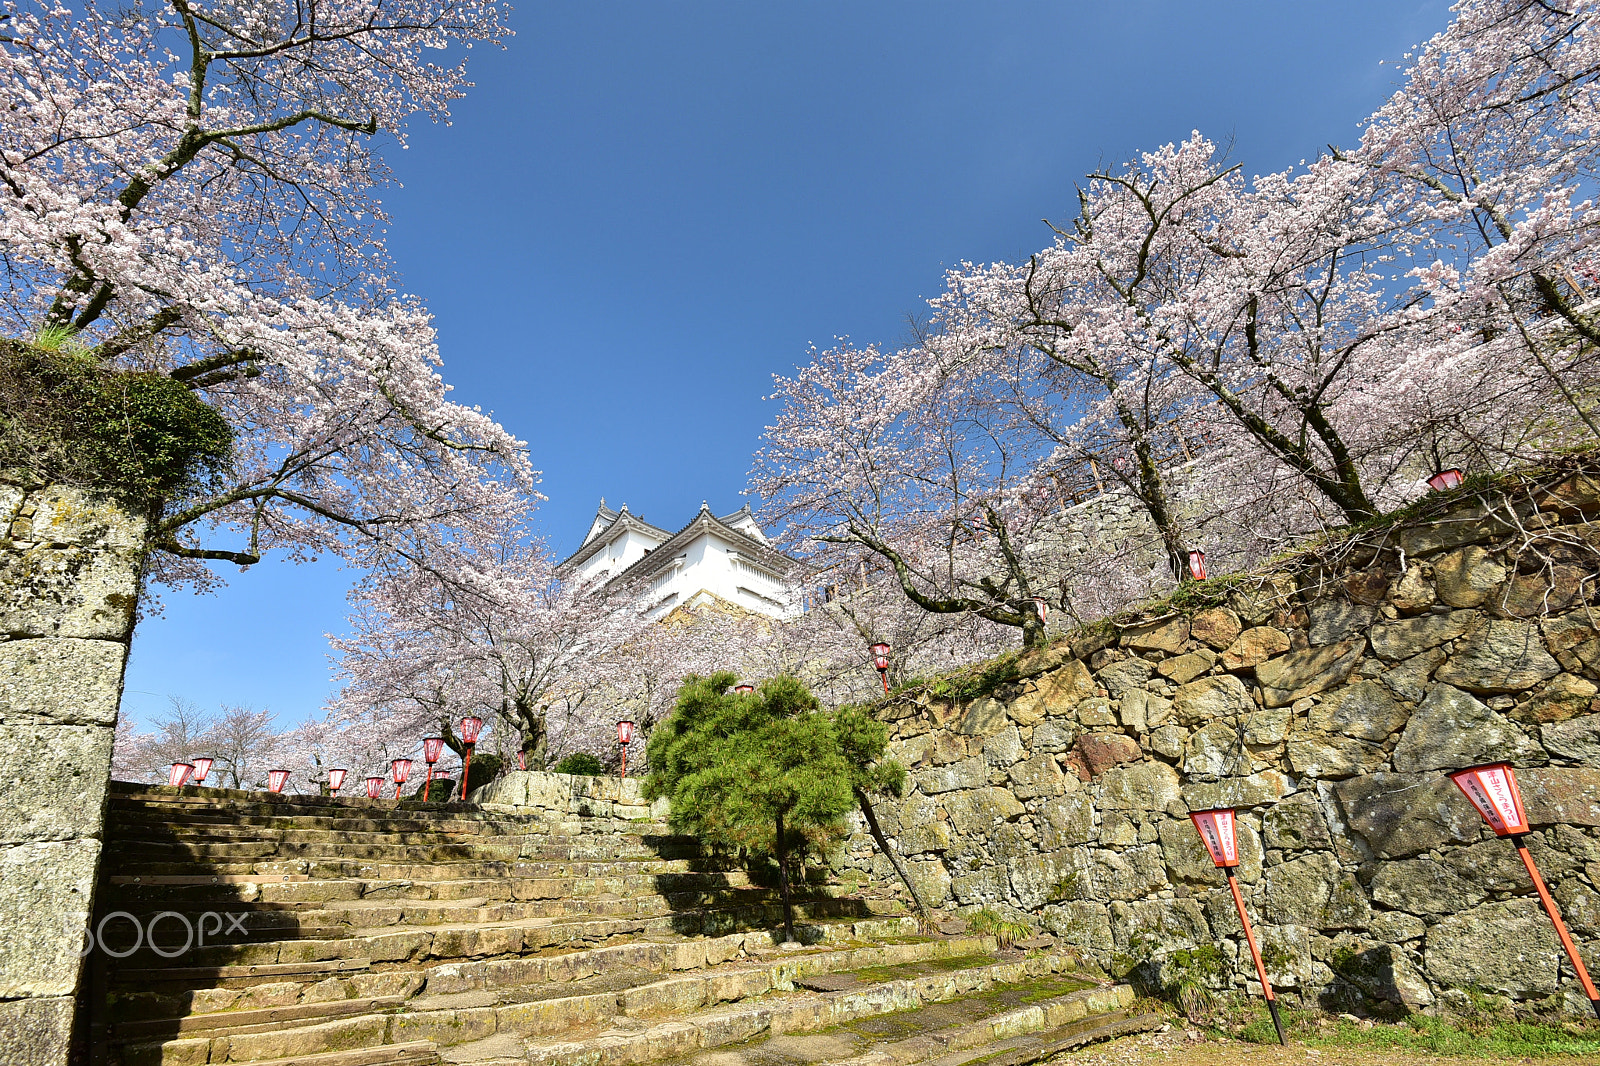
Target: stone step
(419, 1053)
(895, 1003)
(131, 871)
(272, 1042)
(253, 808)
(443, 942)
(222, 821)
(512, 881)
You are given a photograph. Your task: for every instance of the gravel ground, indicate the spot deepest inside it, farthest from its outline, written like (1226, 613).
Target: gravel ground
(1189, 1048)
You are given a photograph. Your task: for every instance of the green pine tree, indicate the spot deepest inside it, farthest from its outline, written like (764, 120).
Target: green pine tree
(761, 770)
(864, 741)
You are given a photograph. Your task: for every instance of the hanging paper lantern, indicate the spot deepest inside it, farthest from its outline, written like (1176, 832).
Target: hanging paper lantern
(335, 781)
(179, 774)
(625, 732)
(202, 767)
(432, 748)
(470, 727)
(374, 787)
(276, 779)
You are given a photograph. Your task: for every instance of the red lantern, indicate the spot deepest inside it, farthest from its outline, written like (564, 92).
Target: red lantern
(401, 769)
(625, 737)
(276, 779)
(1197, 564)
(1041, 607)
(1219, 833)
(744, 687)
(1446, 479)
(880, 660)
(202, 767)
(522, 759)
(1493, 790)
(374, 787)
(179, 774)
(432, 748)
(335, 781)
(470, 727)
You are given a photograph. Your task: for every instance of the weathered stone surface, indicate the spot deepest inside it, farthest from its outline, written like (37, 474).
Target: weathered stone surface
(1142, 786)
(1330, 755)
(1254, 646)
(1053, 735)
(1384, 972)
(1334, 619)
(1080, 923)
(932, 881)
(1216, 750)
(1268, 727)
(1187, 859)
(1128, 875)
(1124, 676)
(975, 812)
(1362, 709)
(1466, 524)
(1185, 668)
(1498, 655)
(1577, 739)
(1005, 747)
(37, 1032)
(1465, 578)
(1410, 636)
(1566, 795)
(1040, 776)
(984, 716)
(1413, 593)
(1305, 673)
(1168, 634)
(1057, 692)
(1211, 698)
(1400, 815)
(1296, 824)
(1102, 751)
(1536, 595)
(1450, 729)
(1396, 927)
(1313, 891)
(1367, 586)
(1259, 789)
(1409, 679)
(1141, 929)
(1216, 626)
(1502, 947)
(1423, 886)
(1066, 822)
(1562, 697)
(1096, 713)
(68, 591)
(919, 838)
(55, 798)
(45, 889)
(969, 773)
(1168, 741)
(70, 682)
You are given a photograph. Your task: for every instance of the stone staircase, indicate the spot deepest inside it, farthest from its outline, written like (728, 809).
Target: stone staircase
(236, 927)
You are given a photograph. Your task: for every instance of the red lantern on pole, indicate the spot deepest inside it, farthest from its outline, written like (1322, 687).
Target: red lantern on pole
(374, 787)
(880, 660)
(276, 779)
(179, 774)
(1493, 791)
(1446, 479)
(471, 725)
(202, 767)
(401, 769)
(625, 737)
(432, 748)
(1041, 607)
(1197, 564)
(522, 759)
(336, 780)
(743, 687)
(1219, 832)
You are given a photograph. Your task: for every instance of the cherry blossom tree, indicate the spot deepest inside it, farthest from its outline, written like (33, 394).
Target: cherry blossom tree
(189, 188)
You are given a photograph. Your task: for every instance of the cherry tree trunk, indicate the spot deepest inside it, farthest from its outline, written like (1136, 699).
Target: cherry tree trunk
(69, 580)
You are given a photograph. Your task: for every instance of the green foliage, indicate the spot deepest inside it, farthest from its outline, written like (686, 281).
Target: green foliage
(581, 764)
(734, 764)
(142, 436)
(1422, 1034)
(864, 741)
(997, 925)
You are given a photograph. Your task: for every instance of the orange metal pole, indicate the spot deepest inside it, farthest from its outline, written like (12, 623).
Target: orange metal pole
(1561, 927)
(624, 762)
(466, 764)
(885, 675)
(427, 783)
(1255, 956)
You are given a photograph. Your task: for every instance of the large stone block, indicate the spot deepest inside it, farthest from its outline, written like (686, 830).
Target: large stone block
(1066, 821)
(983, 716)
(1216, 626)
(1141, 929)
(1577, 739)
(1423, 886)
(1335, 619)
(1216, 750)
(968, 773)
(1296, 824)
(1565, 795)
(1253, 647)
(1498, 655)
(976, 811)
(1502, 947)
(1412, 636)
(1142, 786)
(1465, 578)
(1300, 674)
(1211, 698)
(1332, 756)
(1267, 786)
(36, 1032)
(45, 891)
(1038, 776)
(1055, 693)
(1124, 676)
(1132, 874)
(1409, 678)
(1450, 729)
(1363, 710)
(932, 881)
(1168, 634)
(1081, 924)
(53, 781)
(1468, 524)
(71, 591)
(65, 681)
(1400, 815)
(1314, 892)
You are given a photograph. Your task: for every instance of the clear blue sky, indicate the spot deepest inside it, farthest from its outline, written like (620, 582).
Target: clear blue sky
(645, 209)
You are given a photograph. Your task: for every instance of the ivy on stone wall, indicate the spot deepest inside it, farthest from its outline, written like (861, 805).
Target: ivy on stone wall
(67, 418)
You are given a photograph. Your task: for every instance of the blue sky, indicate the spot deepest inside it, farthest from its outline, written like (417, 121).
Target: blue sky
(645, 209)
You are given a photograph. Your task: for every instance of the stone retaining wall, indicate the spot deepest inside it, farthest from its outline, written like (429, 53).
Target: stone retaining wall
(69, 578)
(1324, 701)
(569, 795)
